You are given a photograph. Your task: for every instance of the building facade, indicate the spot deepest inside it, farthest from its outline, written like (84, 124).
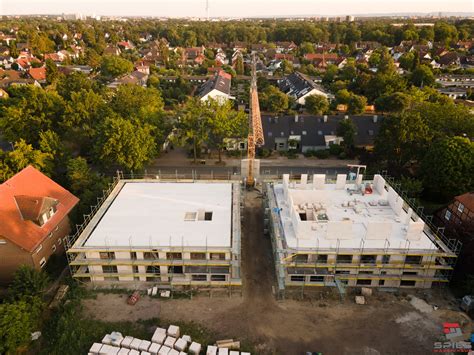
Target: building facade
(355, 233)
(176, 234)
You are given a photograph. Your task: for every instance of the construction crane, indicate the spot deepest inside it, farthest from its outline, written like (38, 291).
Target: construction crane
(255, 137)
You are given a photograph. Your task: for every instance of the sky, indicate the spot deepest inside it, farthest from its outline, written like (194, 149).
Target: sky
(230, 8)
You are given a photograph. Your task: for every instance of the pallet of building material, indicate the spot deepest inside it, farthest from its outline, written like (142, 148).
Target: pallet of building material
(154, 291)
(95, 348)
(144, 345)
(169, 341)
(107, 339)
(194, 348)
(154, 348)
(181, 344)
(165, 294)
(116, 339)
(366, 291)
(187, 338)
(134, 352)
(126, 342)
(145, 353)
(173, 330)
(233, 352)
(229, 344)
(223, 351)
(135, 344)
(244, 353)
(182, 353)
(148, 291)
(164, 350)
(173, 352)
(211, 350)
(123, 351)
(159, 337)
(360, 299)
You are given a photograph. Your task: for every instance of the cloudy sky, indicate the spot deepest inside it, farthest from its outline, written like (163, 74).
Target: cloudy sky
(237, 8)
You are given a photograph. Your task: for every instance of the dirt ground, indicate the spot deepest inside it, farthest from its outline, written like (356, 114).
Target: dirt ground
(386, 325)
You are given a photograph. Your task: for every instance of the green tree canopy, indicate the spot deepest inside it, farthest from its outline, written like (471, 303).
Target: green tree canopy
(273, 100)
(128, 143)
(316, 104)
(448, 167)
(115, 66)
(28, 282)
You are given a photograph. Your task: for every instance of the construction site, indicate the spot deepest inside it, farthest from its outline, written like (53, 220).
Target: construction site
(165, 233)
(340, 232)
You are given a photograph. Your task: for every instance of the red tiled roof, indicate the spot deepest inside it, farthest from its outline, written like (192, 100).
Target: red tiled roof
(38, 73)
(25, 190)
(467, 200)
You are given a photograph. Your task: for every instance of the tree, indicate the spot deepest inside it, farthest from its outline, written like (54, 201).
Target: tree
(407, 61)
(114, 66)
(239, 65)
(79, 175)
(193, 125)
(128, 143)
(422, 76)
(24, 155)
(273, 100)
(137, 101)
(448, 167)
(396, 102)
(17, 321)
(356, 104)
(347, 130)
(52, 73)
(225, 123)
(316, 104)
(28, 282)
(75, 82)
(29, 111)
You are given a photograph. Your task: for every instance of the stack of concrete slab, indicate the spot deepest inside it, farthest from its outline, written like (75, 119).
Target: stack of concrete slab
(116, 338)
(134, 352)
(154, 348)
(144, 345)
(126, 342)
(159, 336)
(164, 350)
(109, 349)
(123, 351)
(95, 348)
(233, 352)
(223, 351)
(211, 350)
(181, 344)
(135, 344)
(169, 341)
(173, 331)
(194, 348)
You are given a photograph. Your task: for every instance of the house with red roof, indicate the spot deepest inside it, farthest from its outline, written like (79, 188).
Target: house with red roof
(34, 221)
(39, 74)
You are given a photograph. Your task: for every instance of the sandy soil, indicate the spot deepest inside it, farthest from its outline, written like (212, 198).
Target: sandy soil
(386, 325)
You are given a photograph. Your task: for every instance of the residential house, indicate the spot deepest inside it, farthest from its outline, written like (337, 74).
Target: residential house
(126, 45)
(134, 78)
(308, 132)
(112, 50)
(285, 47)
(217, 87)
(34, 213)
(300, 87)
(450, 59)
(38, 74)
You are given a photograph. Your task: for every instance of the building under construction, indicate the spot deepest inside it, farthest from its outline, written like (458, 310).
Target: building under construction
(353, 232)
(165, 233)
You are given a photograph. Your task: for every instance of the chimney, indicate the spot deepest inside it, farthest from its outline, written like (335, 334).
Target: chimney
(375, 118)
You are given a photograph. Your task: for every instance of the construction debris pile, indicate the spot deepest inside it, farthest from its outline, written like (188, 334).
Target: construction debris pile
(163, 342)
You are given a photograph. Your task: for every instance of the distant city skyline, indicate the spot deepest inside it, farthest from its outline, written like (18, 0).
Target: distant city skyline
(230, 8)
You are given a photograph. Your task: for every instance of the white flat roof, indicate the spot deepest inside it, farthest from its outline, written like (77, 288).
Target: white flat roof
(332, 201)
(152, 214)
